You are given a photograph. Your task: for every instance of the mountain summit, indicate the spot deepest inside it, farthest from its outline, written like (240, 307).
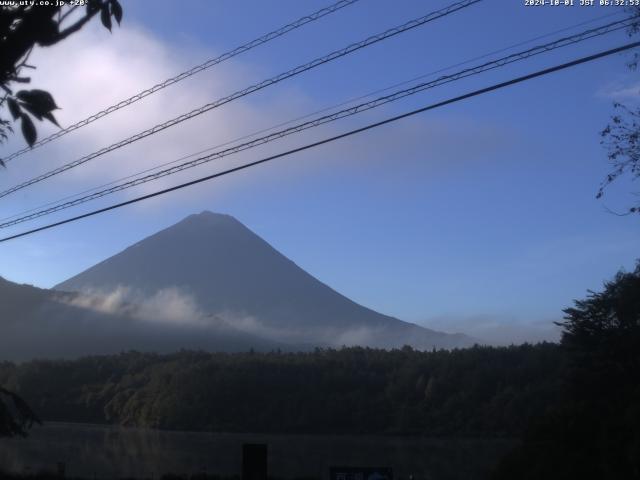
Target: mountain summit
(230, 272)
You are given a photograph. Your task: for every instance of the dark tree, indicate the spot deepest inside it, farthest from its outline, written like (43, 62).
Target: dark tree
(607, 323)
(23, 27)
(594, 431)
(602, 335)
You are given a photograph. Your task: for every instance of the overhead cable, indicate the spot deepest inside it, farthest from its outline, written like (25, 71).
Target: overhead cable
(347, 112)
(241, 93)
(466, 96)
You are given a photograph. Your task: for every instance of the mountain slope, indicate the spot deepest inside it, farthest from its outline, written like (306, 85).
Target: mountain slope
(230, 271)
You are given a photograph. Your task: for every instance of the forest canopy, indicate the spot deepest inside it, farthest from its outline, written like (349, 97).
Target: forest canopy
(481, 391)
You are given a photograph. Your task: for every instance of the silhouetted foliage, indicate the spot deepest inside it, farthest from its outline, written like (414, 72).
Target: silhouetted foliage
(15, 415)
(621, 137)
(622, 140)
(481, 391)
(594, 432)
(24, 26)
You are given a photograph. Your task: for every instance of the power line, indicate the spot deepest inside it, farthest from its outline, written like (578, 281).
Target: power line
(192, 71)
(308, 115)
(562, 42)
(474, 93)
(241, 93)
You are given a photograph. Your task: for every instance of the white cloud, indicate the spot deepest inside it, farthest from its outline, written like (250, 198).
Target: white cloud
(621, 90)
(304, 334)
(169, 305)
(108, 68)
(173, 306)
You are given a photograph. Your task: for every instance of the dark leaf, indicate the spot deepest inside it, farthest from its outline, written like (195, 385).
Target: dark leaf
(51, 118)
(116, 10)
(29, 130)
(47, 32)
(92, 6)
(14, 108)
(41, 100)
(105, 16)
(32, 110)
(2, 163)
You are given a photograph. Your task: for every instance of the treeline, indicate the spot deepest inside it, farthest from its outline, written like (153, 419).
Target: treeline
(481, 391)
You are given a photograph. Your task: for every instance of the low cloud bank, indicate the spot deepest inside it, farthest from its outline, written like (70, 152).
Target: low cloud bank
(498, 329)
(176, 307)
(318, 336)
(169, 305)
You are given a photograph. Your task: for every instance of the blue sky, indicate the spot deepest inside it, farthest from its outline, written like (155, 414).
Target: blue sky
(480, 216)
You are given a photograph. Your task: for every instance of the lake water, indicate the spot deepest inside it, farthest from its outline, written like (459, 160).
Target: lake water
(94, 451)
